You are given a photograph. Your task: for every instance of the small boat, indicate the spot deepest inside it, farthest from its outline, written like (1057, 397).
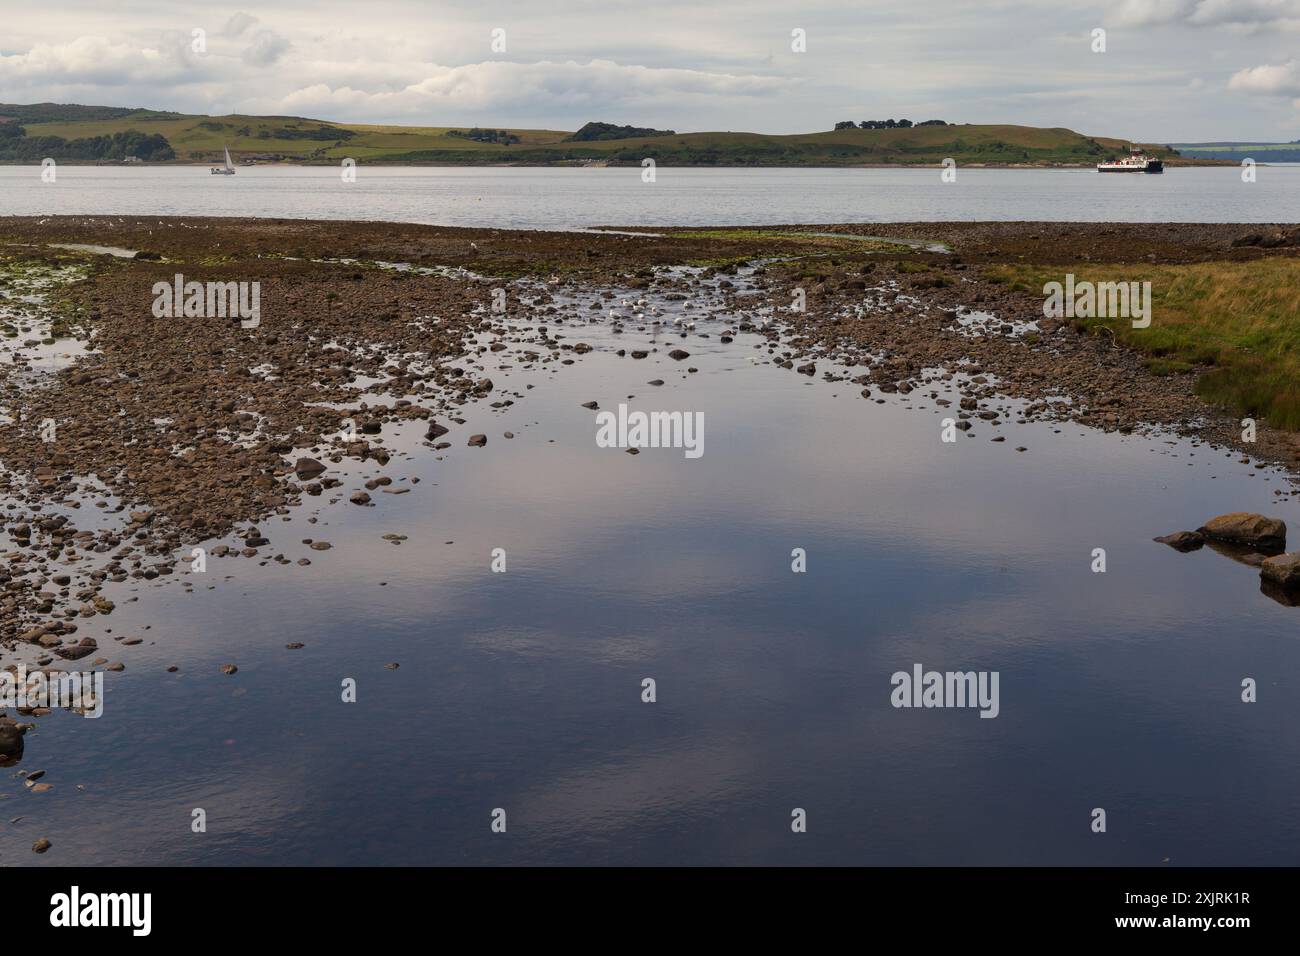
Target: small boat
(1137, 161)
(227, 170)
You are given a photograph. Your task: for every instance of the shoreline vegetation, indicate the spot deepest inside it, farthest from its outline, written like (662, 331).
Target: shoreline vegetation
(109, 135)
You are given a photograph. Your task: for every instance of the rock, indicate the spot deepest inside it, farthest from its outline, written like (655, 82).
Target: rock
(360, 498)
(228, 668)
(477, 441)
(11, 738)
(41, 845)
(592, 405)
(679, 354)
(308, 468)
(1182, 540)
(1283, 569)
(1287, 597)
(435, 431)
(1245, 527)
(76, 652)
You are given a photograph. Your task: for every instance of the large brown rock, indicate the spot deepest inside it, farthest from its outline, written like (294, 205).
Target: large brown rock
(1245, 527)
(1283, 569)
(83, 648)
(308, 468)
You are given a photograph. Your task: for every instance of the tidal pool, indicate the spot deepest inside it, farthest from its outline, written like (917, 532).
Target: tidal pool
(522, 690)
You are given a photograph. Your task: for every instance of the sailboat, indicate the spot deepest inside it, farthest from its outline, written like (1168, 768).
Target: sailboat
(228, 169)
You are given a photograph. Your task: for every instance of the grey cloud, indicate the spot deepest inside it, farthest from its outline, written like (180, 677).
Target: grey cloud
(267, 47)
(1206, 13)
(237, 24)
(679, 63)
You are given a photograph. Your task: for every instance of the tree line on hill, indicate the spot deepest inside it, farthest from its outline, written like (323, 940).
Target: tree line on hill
(501, 137)
(16, 146)
(887, 124)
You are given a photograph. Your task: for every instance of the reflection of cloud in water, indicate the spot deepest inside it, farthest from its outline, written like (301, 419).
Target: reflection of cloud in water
(637, 790)
(772, 685)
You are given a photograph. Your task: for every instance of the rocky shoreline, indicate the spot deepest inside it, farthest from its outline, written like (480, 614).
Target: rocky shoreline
(128, 439)
(190, 428)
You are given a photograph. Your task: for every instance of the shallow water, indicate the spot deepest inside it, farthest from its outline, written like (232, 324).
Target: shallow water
(542, 198)
(522, 690)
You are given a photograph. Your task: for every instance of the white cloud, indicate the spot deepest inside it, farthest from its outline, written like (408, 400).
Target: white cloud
(95, 60)
(1280, 80)
(502, 86)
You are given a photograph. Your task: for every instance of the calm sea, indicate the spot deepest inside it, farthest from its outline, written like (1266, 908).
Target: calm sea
(538, 198)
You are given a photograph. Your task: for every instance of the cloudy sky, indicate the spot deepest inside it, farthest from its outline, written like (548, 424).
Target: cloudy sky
(1173, 70)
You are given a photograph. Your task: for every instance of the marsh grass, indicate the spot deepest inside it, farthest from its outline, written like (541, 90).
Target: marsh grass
(1236, 323)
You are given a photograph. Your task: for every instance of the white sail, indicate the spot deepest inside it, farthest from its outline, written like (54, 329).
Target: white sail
(229, 164)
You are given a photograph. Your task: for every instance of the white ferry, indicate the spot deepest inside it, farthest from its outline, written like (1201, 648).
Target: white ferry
(1137, 161)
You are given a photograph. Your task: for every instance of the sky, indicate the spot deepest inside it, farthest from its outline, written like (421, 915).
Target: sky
(1171, 70)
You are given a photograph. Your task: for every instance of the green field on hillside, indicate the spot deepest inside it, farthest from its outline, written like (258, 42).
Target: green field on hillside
(1235, 152)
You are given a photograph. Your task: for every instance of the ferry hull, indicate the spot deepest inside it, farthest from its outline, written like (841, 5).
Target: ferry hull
(1151, 166)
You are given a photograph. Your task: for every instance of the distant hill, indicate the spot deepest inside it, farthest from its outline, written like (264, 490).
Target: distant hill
(1263, 152)
(101, 133)
(71, 113)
